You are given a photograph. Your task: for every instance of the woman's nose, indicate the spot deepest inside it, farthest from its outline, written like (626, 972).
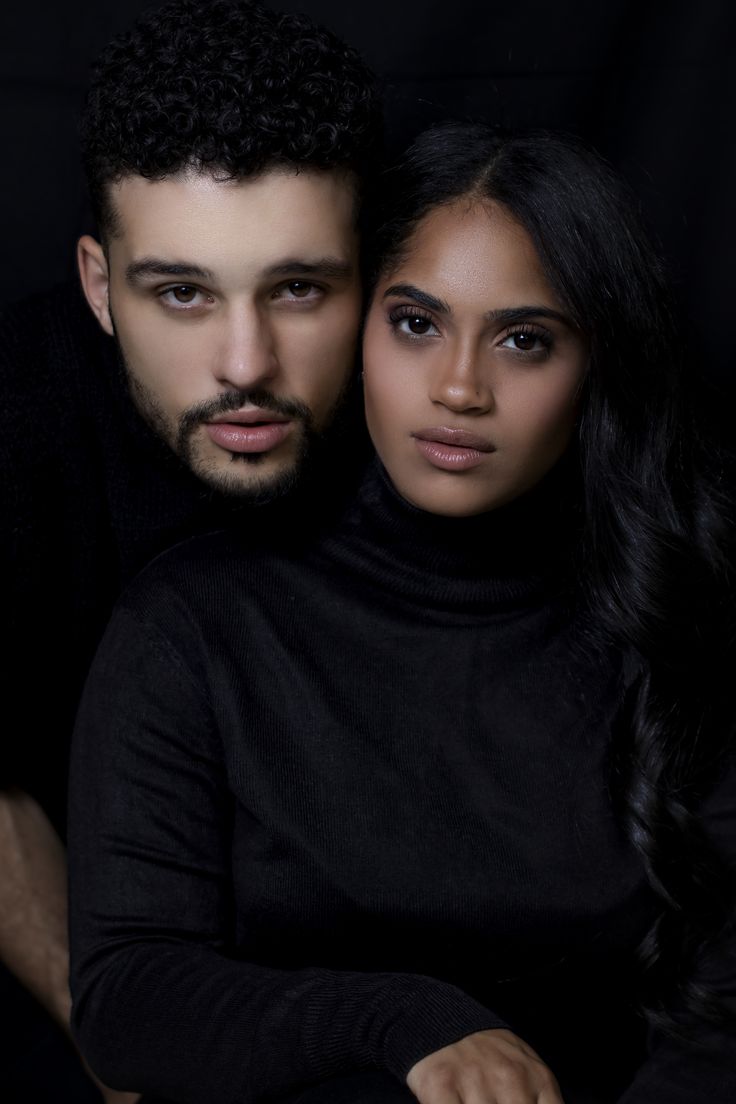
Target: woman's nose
(462, 382)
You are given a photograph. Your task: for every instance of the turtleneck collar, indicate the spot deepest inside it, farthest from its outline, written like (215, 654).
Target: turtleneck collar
(513, 556)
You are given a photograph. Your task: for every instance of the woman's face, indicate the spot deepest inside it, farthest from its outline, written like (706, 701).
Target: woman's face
(472, 369)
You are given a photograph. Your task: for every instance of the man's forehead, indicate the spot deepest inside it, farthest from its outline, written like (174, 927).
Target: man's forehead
(194, 215)
(218, 185)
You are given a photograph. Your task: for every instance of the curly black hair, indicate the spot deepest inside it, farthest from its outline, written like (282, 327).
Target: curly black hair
(228, 86)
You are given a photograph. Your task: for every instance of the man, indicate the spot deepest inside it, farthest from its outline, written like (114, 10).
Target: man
(224, 146)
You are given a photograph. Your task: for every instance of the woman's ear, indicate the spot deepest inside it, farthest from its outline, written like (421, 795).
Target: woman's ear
(95, 277)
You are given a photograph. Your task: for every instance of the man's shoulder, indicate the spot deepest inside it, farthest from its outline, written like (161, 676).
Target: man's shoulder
(49, 342)
(188, 579)
(210, 556)
(224, 567)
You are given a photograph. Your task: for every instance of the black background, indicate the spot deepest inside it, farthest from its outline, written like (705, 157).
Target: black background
(650, 85)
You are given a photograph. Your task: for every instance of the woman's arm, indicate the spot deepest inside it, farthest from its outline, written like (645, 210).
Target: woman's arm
(159, 1004)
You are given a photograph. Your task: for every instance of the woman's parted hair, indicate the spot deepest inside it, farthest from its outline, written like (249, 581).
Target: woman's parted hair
(656, 541)
(227, 86)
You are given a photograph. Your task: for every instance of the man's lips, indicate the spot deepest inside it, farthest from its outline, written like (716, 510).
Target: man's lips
(452, 449)
(250, 430)
(248, 415)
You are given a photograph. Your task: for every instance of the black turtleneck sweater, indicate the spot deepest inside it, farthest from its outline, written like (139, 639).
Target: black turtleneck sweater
(339, 803)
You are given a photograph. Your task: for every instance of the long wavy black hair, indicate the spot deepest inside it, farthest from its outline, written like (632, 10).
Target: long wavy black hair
(655, 549)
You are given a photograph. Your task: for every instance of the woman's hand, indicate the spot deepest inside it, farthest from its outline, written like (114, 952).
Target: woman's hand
(488, 1067)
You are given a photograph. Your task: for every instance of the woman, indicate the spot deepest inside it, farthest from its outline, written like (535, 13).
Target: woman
(430, 798)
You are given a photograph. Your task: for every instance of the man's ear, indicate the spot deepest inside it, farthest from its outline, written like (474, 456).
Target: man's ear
(95, 277)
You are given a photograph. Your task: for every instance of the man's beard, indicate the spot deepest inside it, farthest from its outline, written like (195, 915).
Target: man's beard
(180, 436)
(258, 488)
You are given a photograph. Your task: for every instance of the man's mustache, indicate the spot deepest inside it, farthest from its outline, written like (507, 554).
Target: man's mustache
(235, 400)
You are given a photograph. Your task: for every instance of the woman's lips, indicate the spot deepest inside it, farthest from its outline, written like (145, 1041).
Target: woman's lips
(249, 430)
(452, 449)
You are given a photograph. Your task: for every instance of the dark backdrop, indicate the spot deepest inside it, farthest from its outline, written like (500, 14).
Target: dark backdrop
(651, 85)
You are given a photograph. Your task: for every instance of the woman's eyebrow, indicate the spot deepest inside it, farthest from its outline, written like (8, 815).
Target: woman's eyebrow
(431, 302)
(508, 315)
(505, 315)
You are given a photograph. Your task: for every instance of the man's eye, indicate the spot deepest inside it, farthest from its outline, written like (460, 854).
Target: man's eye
(183, 295)
(303, 291)
(299, 288)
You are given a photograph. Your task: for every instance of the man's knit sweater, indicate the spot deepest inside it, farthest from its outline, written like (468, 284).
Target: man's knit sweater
(88, 495)
(339, 805)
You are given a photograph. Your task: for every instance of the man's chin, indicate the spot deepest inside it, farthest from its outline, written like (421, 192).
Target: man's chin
(254, 478)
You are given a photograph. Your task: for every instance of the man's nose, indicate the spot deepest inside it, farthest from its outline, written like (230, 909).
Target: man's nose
(247, 356)
(462, 381)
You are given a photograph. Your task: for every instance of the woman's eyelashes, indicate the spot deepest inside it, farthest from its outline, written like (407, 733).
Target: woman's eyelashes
(525, 340)
(531, 341)
(412, 322)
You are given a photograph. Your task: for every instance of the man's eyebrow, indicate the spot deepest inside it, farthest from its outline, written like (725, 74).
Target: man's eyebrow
(329, 267)
(431, 302)
(154, 266)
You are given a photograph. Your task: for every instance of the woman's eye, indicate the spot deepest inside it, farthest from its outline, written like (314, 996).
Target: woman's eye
(526, 341)
(416, 325)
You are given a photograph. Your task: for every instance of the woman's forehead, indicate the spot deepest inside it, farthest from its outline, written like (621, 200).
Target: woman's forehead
(472, 251)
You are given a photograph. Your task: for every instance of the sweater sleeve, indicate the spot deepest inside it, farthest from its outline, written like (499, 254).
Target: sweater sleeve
(701, 1066)
(161, 1002)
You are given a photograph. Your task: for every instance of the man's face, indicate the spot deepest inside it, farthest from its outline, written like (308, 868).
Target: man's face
(236, 306)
